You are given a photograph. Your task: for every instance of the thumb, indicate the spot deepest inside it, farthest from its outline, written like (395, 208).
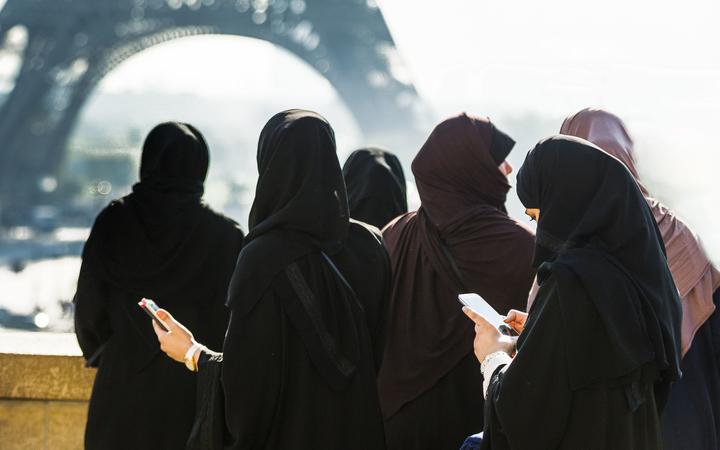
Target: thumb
(164, 315)
(167, 319)
(511, 316)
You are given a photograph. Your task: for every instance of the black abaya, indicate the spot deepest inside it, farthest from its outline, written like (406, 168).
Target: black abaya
(536, 404)
(300, 355)
(691, 419)
(163, 243)
(601, 345)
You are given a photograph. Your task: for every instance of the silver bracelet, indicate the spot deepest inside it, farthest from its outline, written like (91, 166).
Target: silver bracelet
(489, 358)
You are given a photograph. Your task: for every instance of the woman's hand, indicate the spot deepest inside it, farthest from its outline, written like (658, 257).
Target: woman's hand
(176, 342)
(516, 319)
(487, 338)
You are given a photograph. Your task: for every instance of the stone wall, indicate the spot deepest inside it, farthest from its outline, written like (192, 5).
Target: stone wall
(44, 388)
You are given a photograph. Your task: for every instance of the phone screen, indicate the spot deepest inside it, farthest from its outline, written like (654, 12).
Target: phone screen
(483, 308)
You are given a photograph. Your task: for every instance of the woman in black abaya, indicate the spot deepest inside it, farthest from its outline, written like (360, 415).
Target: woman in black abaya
(164, 243)
(298, 367)
(375, 186)
(601, 344)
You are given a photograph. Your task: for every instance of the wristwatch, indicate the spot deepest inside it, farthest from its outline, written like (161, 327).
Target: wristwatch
(190, 362)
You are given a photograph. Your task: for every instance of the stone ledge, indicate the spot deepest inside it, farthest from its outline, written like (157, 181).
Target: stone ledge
(42, 425)
(44, 388)
(43, 366)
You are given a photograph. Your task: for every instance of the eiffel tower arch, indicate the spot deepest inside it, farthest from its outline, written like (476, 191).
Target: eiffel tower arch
(68, 46)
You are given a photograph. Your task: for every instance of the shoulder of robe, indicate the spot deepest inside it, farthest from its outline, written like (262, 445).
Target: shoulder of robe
(259, 262)
(112, 211)
(365, 231)
(222, 221)
(107, 221)
(394, 229)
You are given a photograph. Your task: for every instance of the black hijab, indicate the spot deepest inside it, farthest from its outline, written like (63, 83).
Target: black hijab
(596, 229)
(375, 186)
(161, 240)
(300, 188)
(298, 220)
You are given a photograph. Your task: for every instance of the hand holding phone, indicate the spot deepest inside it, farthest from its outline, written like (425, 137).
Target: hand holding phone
(483, 308)
(151, 308)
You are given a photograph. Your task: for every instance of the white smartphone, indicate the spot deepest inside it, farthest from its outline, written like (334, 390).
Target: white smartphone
(483, 308)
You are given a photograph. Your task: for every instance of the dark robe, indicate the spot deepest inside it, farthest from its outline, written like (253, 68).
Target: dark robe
(375, 186)
(460, 240)
(163, 243)
(601, 345)
(691, 419)
(298, 366)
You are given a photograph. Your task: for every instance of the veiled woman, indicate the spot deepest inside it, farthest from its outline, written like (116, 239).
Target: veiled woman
(164, 243)
(601, 344)
(297, 367)
(692, 416)
(375, 186)
(460, 240)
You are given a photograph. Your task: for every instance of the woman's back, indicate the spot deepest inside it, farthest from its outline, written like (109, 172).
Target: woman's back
(281, 391)
(309, 288)
(159, 242)
(460, 240)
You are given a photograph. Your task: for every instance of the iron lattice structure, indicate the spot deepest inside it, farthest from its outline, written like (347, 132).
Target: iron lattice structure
(66, 47)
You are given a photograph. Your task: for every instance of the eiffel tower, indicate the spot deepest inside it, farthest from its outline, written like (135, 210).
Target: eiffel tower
(66, 47)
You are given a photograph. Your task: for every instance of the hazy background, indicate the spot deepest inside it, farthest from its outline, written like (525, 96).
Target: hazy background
(525, 64)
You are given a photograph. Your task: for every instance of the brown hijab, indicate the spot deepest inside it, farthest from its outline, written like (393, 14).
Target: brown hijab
(694, 274)
(462, 219)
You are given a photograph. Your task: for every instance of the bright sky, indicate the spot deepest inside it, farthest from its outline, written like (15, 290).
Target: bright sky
(654, 63)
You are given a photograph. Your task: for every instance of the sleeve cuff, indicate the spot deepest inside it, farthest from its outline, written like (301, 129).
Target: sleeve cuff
(208, 357)
(490, 365)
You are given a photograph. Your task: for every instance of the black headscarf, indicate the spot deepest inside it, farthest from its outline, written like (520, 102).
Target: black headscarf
(375, 186)
(175, 158)
(161, 240)
(595, 223)
(300, 187)
(300, 211)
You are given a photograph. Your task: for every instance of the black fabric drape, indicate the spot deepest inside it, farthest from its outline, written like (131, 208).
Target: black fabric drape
(375, 186)
(601, 345)
(533, 405)
(692, 416)
(159, 242)
(587, 197)
(156, 239)
(298, 368)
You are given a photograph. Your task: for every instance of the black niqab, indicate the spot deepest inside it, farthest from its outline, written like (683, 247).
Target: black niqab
(501, 145)
(375, 186)
(601, 343)
(591, 209)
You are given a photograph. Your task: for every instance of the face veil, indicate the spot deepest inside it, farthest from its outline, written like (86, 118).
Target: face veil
(589, 200)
